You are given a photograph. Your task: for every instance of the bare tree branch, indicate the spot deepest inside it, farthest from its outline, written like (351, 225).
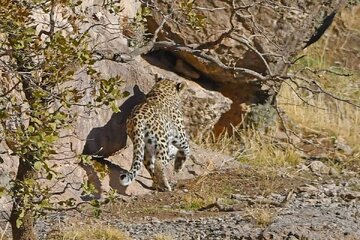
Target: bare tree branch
(51, 23)
(11, 89)
(334, 96)
(123, 57)
(247, 43)
(299, 96)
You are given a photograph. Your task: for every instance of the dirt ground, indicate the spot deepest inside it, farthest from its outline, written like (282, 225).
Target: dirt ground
(192, 195)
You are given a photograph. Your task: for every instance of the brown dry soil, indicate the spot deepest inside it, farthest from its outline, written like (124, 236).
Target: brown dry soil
(192, 195)
(251, 205)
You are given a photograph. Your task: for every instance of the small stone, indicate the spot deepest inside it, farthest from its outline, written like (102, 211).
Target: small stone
(319, 167)
(348, 173)
(303, 167)
(342, 145)
(154, 220)
(307, 188)
(350, 195)
(333, 172)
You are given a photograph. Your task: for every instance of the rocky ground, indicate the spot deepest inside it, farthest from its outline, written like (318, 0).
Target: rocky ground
(308, 206)
(229, 200)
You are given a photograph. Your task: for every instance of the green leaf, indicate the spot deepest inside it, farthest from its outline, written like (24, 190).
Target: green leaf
(45, 203)
(95, 203)
(115, 107)
(38, 165)
(70, 73)
(2, 191)
(31, 129)
(35, 120)
(3, 114)
(19, 45)
(60, 116)
(52, 126)
(126, 94)
(50, 138)
(19, 220)
(85, 159)
(68, 202)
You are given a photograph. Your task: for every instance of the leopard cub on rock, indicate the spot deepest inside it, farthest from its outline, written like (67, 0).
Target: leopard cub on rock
(156, 128)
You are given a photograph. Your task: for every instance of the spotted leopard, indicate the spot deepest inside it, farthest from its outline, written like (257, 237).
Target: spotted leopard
(156, 128)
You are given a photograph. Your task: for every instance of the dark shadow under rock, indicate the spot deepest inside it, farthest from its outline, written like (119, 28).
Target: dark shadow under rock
(106, 140)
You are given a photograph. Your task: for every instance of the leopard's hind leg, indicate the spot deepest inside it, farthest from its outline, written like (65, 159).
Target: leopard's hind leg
(160, 179)
(182, 144)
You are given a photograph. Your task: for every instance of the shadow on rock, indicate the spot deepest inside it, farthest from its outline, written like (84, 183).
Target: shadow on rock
(114, 175)
(104, 141)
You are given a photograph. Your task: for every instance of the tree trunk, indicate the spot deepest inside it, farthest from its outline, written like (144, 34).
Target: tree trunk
(26, 230)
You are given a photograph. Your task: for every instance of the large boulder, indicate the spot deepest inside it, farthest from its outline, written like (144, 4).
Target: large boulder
(260, 36)
(284, 30)
(100, 131)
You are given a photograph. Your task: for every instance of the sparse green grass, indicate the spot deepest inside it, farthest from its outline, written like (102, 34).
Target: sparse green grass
(192, 202)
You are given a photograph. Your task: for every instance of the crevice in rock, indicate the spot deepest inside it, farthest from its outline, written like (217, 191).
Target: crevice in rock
(243, 96)
(170, 62)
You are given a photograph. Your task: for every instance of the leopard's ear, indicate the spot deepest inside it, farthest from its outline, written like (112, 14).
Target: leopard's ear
(158, 78)
(180, 86)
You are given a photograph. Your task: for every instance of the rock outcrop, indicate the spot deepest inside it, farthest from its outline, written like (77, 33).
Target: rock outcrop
(266, 32)
(259, 36)
(100, 131)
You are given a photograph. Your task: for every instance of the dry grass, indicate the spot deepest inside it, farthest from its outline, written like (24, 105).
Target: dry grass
(324, 114)
(162, 237)
(250, 181)
(268, 159)
(265, 151)
(329, 116)
(321, 114)
(335, 51)
(3, 232)
(98, 232)
(95, 232)
(204, 191)
(254, 148)
(261, 216)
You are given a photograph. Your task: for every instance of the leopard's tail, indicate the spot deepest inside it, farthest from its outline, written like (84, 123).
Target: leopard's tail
(139, 151)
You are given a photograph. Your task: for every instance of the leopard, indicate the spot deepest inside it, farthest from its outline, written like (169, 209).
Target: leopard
(157, 131)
